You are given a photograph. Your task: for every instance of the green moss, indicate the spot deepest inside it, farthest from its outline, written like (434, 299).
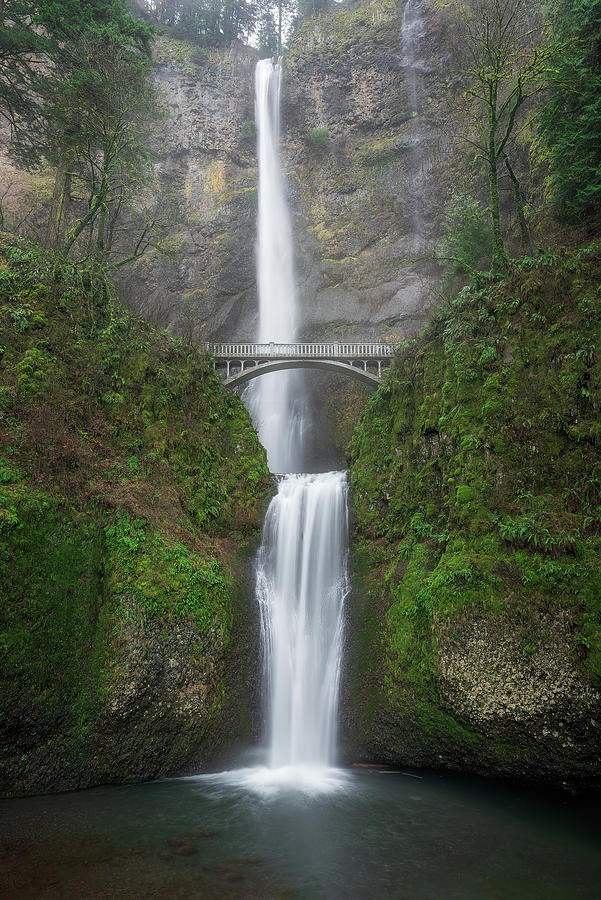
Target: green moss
(475, 474)
(54, 634)
(128, 477)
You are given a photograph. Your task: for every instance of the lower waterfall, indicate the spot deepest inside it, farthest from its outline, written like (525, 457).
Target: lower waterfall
(301, 585)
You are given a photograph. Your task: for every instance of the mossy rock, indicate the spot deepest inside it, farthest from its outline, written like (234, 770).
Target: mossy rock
(476, 482)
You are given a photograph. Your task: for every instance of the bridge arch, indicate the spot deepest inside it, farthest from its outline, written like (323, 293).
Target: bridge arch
(277, 365)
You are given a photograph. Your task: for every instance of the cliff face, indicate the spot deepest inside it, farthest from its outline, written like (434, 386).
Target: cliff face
(366, 172)
(132, 487)
(204, 196)
(475, 628)
(367, 162)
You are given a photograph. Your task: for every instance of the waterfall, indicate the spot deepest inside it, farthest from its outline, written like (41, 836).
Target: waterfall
(276, 402)
(301, 586)
(412, 29)
(411, 34)
(302, 562)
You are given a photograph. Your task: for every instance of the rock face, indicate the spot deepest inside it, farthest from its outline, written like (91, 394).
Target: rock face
(370, 161)
(475, 626)
(367, 172)
(203, 285)
(366, 164)
(132, 491)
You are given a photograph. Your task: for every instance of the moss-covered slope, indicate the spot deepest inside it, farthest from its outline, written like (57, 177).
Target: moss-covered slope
(476, 476)
(131, 491)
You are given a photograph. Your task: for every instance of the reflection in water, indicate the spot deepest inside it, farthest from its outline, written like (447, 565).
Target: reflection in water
(375, 836)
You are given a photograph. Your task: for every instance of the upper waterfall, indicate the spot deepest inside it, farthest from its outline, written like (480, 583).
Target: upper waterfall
(275, 270)
(277, 402)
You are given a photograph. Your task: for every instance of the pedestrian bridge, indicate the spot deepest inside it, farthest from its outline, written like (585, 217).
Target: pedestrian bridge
(240, 363)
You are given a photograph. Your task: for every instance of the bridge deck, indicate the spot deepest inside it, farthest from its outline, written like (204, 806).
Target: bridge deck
(242, 362)
(322, 350)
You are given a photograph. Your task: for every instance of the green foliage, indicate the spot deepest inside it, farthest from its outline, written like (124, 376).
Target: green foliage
(248, 130)
(570, 119)
(467, 235)
(319, 137)
(207, 22)
(503, 58)
(130, 479)
(166, 578)
(476, 475)
(53, 644)
(81, 107)
(200, 56)
(309, 8)
(21, 316)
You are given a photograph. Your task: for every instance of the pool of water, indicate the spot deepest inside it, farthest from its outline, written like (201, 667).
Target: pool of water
(363, 832)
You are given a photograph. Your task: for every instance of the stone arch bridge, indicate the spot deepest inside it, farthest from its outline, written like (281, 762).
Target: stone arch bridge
(240, 363)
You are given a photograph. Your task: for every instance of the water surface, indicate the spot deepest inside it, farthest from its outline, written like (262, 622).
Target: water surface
(355, 834)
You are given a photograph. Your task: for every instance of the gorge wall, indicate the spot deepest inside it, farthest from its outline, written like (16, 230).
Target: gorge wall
(475, 629)
(132, 490)
(368, 170)
(371, 158)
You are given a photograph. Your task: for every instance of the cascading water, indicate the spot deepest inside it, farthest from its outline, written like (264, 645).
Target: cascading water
(276, 402)
(301, 585)
(302, 563)
(411, 35)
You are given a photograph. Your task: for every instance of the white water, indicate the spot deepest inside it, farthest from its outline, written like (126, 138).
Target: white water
(276, 402)
(301, 586)
(302, 563)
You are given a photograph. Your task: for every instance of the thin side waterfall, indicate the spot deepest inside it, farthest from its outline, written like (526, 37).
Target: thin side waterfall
(411, 34)
(276, 402)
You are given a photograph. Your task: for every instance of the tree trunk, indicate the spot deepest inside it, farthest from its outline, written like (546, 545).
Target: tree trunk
(101, 228)
(519, 203)
(500, 260)
(60, 196)
(83, 223)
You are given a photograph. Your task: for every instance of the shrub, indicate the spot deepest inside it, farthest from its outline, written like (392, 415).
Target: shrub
(467, 234)
(199, 56)
(248, 129)
(319, 137)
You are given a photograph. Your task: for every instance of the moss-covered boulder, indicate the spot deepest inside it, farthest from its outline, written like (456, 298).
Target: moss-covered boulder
(475, 633)
(132, 487)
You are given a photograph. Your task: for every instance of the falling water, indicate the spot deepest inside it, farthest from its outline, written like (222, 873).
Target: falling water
(276, 402)
(302, 567)
(301, 585)
(412, 29)
(411, 33)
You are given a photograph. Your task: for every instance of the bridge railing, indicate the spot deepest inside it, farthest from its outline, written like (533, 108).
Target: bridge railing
(323, 350)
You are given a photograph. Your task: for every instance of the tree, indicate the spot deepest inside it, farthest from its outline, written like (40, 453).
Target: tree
(570, 120)
(83, 109)
(22, 49)
(267, 35)
(207, 22)
(467, 235)
(96, 122)
(504, 58)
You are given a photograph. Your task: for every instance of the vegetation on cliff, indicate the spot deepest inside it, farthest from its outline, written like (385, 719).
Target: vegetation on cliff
(476, 476)
(570, 118)
(131, 486)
